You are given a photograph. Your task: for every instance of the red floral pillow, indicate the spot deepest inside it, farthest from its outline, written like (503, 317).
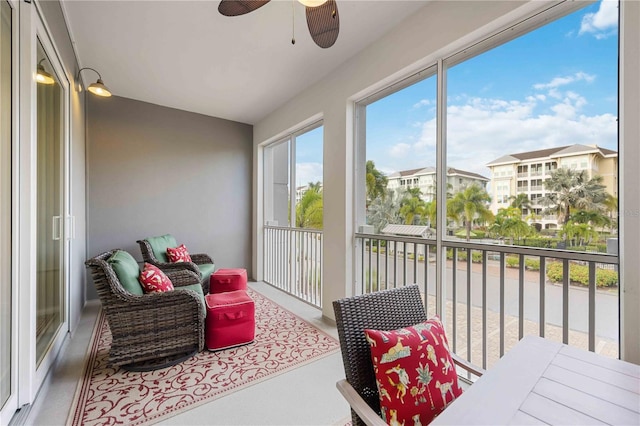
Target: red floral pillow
(414, 371)
(153, 280)
(178, 254)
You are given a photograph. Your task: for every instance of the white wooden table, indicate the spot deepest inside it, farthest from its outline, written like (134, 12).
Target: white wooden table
(540, 381)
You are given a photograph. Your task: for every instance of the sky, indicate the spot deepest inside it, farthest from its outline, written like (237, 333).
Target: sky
(554, 86)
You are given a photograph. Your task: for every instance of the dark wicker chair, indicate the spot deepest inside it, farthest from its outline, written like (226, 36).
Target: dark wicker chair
(383, 310)
(154, 330)
(200, 262)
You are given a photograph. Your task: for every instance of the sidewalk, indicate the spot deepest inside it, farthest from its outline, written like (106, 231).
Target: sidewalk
(511, 335)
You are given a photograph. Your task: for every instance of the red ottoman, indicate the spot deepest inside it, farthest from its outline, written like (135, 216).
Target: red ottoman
(230, 279)
(230, 320)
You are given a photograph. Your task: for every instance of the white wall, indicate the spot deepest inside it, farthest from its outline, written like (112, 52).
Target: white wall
(437, 30)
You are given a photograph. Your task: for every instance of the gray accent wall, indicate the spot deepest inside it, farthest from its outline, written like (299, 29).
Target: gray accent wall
(153, 170)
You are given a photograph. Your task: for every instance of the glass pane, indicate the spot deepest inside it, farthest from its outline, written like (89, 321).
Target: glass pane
(309, 204)
(537, 117)
(547, 124)
(5, 202)
(276, 184)
(401, 159)
(50, 290)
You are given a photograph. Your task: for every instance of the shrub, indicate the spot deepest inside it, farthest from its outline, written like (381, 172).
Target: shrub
(513, 261)
(532, 264)
(479, 233)
(579, 274)
(539, 242)
(476, 256)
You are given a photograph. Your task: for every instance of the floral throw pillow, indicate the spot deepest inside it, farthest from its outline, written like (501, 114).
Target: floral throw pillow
(414, 371)
(178, 254)
(153, 280)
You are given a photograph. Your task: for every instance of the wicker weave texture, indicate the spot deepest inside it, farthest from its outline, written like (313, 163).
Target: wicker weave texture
(383, 310)
(196, 259)
(152, 326)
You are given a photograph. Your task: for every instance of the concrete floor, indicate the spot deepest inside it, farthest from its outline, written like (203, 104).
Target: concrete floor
(304, 396)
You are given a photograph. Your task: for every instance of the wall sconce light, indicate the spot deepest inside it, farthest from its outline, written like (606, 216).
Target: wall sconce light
(97, 88)
(42, 76)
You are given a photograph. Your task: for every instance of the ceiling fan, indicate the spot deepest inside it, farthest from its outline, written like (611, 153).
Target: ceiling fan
(322, 17)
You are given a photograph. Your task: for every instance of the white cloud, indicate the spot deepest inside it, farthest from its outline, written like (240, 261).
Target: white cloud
(481, 130)
(602, 23)
(423, 102)
(399, 150)
(308, 172)
(563, 81)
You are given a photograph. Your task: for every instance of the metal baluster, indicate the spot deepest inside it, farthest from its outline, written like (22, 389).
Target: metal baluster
(592, 306)
(565, 301)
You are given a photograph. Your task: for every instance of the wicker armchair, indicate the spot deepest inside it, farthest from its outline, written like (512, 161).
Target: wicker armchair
(383, 310)
(153, 330)
(154, 251)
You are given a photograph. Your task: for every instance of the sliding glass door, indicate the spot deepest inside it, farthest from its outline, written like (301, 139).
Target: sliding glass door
(50, 289)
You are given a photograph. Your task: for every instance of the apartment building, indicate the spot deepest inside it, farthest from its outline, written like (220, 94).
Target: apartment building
(525, 173)
(425, 180)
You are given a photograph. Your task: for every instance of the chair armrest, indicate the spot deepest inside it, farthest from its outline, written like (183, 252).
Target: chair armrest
(362, 409)
(167, 267)
(200, 258)
(466, 365)
(182, 277)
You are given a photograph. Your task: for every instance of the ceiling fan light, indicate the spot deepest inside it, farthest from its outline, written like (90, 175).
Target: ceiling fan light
(312, 3)
(98, 88)
(44, 77)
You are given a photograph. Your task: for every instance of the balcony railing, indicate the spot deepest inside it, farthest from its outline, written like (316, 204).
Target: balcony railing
(504, 293)
(522, 189)
(293, 261)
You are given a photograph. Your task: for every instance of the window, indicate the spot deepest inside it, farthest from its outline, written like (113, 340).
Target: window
(544, 94)
(298, 158)
(392, 116)
(294, 213)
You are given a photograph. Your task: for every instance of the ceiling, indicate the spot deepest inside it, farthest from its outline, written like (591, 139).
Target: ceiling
(185, 55)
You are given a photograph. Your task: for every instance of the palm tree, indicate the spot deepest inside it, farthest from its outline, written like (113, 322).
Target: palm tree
(412, 209)
(315, 186)
(520, 201)
(469, 204)
(590, 217)
(509, 223)
(384, 210)
(611, 206)
(376, 182)
(569, 189)
(309, 210)
(580, 233)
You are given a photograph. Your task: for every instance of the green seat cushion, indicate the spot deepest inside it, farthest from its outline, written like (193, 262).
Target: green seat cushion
(127, 271)
(160, 244)
(197, 288)
(206, 269)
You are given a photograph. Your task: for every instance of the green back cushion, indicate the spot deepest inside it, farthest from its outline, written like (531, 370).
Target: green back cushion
(206, 269)
(160, 244)
(127, 271)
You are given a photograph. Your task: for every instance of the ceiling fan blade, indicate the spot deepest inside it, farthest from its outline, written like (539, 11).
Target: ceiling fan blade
(324, 23)
(239, 7)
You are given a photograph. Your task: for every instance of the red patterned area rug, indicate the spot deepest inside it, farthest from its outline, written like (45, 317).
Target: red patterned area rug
(112, 396)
